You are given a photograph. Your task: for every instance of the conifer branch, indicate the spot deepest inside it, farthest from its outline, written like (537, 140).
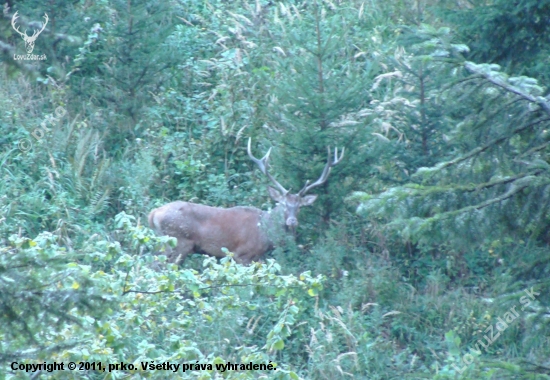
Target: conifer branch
(514, 189)
(483, 148)
(542, 102)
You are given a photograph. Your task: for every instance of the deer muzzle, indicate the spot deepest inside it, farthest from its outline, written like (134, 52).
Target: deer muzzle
(291, 221)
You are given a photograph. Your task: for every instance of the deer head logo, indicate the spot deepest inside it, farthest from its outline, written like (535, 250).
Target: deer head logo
(29, 40)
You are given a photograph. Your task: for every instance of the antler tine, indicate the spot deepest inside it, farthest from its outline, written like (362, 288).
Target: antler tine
(262, 164)
(336, 159)
(46, 19)
(326, 171)
(14, 18)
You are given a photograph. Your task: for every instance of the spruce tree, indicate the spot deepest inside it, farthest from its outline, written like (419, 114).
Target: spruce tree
(319, 87)
(492, 181)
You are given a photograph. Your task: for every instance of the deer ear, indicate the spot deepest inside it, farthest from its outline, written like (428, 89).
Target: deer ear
(275, 194)
(308, 200)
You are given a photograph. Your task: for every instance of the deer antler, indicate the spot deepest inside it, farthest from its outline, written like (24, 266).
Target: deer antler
(262, 164)
(37, 33)
(326, 171)
(15, 17)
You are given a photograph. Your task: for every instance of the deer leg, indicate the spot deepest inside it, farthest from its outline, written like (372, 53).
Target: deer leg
(246, 254)
(178, 254)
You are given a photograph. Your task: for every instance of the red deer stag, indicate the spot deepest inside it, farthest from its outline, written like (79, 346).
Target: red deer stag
(242, 230)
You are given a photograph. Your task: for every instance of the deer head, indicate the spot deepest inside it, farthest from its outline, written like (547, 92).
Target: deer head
(29, 41)
(291, 203)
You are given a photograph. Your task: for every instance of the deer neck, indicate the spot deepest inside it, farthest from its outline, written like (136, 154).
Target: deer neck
(273, 226)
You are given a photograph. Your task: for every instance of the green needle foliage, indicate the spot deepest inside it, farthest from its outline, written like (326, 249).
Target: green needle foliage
(490, 176)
